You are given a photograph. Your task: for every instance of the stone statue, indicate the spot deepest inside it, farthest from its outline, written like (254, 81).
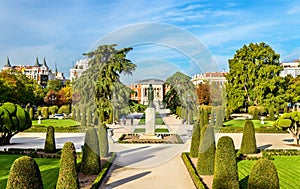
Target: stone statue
(150, 95)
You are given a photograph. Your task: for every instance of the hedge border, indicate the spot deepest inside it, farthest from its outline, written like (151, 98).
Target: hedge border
(121, 140)
(192, 171)
(101, 176)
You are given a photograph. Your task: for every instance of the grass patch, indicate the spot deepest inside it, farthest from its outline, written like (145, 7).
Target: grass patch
(288, 168)
(237, 126)
(49, 169)
(56, 123)
(158, 130)
(158, 120)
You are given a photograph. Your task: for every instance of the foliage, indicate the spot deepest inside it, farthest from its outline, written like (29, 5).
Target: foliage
(50, 141)
(225, 172)
(90, 163)
(13, 119)
(89, 118)
(194, 150)
(253, 77)
(45, 112)
(68, 177)
(24, 173)
(83, 118)
(54, 85)
(193, 173)
(103, 140)
(136, 107)
(291, 123)
(67, 91)
(53, 109)
(65, 109)
(263, 175)
(31, 114)
(206, 116)
(15, 87)
(203, 93)
(55, 98)
(248, 145)
(219, 117)
(207, 148)
(181, 93)
(271, 114)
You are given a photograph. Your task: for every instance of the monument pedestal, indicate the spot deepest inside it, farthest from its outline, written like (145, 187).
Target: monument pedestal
(150, 125)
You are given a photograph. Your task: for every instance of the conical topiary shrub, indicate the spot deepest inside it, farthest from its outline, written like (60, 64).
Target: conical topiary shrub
(68, 177)
(49, 146)
(226, 171)
(24, 173)
(207, 148)
(206, 116)
(263, 175)
(83, 118)
(90, 163)
(248, 145)
(103, 140)
(219, 117)
(89, 118)
(195, 141)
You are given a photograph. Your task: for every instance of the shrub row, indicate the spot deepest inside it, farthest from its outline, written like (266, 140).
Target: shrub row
(192, 171)
(100, 178)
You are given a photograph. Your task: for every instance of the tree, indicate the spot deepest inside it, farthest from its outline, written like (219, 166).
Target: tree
(248, 145)
(207, 148)
(290, 122)
(203, 93)
(182, 92)
(49, 146)
(263, 174)
(55, 98)
(90, 163)
(13, 119)
(24, 173)
(45, 112)
(83, 118)
(54, 85)
(219, 117)
(68, 177)
(253, 77)
(226, 171)
(194, 150)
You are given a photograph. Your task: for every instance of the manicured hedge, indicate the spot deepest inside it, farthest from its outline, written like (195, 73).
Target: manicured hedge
(50, 141)
(90, 163)
(207, 148)
(24, 173)
(248, 145)
(103, 140)
(192, 171)
(263, 175)
(194, 150)
(68, 177)
(226, 171)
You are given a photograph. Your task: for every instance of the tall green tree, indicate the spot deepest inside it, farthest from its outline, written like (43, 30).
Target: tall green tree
(253, 77)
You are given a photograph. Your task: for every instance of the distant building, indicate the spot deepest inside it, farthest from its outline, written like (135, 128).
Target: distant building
(80, 66)
(209, 77)
(140, 89)
(39, 72)
(290, 68)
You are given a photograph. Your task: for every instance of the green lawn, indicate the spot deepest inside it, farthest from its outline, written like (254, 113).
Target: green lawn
(158, 120)
(49, 169)
(288, 168)
(56, 122)
(158, 130)
(238, 125)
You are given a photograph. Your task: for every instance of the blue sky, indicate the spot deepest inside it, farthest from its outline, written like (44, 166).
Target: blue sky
(63, 30)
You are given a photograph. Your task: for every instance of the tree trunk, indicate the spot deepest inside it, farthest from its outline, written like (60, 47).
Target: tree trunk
(5, 139)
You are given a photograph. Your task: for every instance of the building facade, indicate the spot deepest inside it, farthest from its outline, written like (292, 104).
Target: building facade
(140, 89)
(38, 72)
(290, 68)
(210, 77)
(80, 66)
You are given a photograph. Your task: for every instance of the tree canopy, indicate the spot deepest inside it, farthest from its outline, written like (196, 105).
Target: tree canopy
(253, 77)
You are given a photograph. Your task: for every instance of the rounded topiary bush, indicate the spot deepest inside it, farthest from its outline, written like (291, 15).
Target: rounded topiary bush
(24, 173)
(45, 112)
(248, 145)
(263, 175)
(207, 148)
(226, 171)
(68, 177)
(103, 140)
(90, 163)
(195, 141)
(50, 141)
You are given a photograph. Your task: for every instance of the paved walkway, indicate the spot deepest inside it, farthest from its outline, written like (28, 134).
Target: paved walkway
(148, 165)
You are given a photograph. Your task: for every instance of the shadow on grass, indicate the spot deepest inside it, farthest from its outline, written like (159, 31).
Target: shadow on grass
(263, 147)
(244, 182)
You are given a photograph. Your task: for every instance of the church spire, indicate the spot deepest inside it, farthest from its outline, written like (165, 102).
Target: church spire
(44, 62)
(37, 62)
(7, 62)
